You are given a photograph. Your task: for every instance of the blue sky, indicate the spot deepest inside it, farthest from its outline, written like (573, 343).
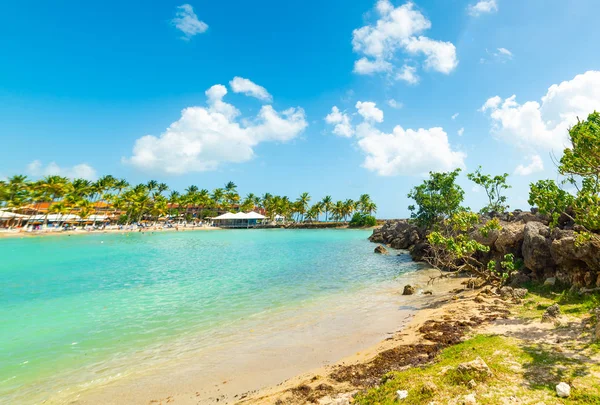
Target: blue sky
(81, 85)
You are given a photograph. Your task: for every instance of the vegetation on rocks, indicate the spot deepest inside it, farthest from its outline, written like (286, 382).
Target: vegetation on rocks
(580, 167)
(560, 238)
(436, 199)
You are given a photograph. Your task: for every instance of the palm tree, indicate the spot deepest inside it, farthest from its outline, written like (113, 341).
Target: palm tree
(363, 202)
(230, 186)
(314, 212)
(118, 186)
(148, 201)
(371, 208)
(174, 199)
(59, 208)
(53, 188)
(152, 185)
(327, 206)
(349, 206)
(217, 196)
(161, 188)
(85, 209)
(302, 204)
(338, 210)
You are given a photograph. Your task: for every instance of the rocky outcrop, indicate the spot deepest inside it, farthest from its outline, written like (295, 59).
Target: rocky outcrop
(536, 249)
(546, 253)
(400, 234)
(476, 368)
(551, 314)
(510, 239)
(409, 290)
(381, 250)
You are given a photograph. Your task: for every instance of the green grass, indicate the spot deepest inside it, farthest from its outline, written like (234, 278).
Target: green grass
(528, 372)
(571, 302)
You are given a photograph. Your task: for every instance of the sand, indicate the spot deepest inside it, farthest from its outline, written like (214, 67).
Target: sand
(310, 343)
(5, 233)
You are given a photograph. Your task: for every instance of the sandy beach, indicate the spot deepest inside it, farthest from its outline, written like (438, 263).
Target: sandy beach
(306, 344)
(5, 233)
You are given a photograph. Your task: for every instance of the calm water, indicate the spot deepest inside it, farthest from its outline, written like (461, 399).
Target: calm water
(74, 310)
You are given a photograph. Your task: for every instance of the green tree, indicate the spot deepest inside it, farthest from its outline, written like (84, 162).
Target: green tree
(327, 203)
(494, 187)
(453, 249)
(361, 219)
(438, 198)
(302, 205)
(580, 166)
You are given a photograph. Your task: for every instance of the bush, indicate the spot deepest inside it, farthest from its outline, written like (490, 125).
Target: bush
(437, 199)
(360, 220)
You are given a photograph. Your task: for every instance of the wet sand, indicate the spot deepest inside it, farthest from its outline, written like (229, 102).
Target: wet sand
(293, 346)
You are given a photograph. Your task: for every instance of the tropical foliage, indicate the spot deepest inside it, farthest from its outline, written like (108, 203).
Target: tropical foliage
(153, 200)
(493, 186)
(453, 243)
(361, 219)
(454, 248)
(580, 166)
(437, 199)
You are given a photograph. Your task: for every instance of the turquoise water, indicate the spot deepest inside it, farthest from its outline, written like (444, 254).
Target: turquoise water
(84, 308)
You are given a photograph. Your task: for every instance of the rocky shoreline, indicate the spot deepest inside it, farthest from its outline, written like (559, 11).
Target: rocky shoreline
(548, 254)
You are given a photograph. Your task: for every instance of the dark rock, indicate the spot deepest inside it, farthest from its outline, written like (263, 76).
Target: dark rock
(551, 314)
(519, 279)
(520, 293)
(381, 250)
(400, 234)
(409, 290)
(536, 248)
(506, 292)
(419, 251)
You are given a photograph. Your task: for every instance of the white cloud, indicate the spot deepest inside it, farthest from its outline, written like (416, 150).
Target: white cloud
(408, 74)
(407, 152)
(545, 125)
(536, 165)
(82, 171)
(369, 111)
(483, 7)
(402, 152)
(206, 137)
(365, 66)
(187, 22)
(440, 56)
(506, 52)
(399, 29)
(343, 127)
(455, 116)
(249, 88)
(394, 104)
(461, 132)
(501, 55)
(491, 104)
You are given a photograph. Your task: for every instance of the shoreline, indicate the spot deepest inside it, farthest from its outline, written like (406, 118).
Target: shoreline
(444, 322)
(228, 374)
(8, 234)
(41, 234)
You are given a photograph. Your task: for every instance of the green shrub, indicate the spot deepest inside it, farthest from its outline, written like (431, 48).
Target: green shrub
(360, 220)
